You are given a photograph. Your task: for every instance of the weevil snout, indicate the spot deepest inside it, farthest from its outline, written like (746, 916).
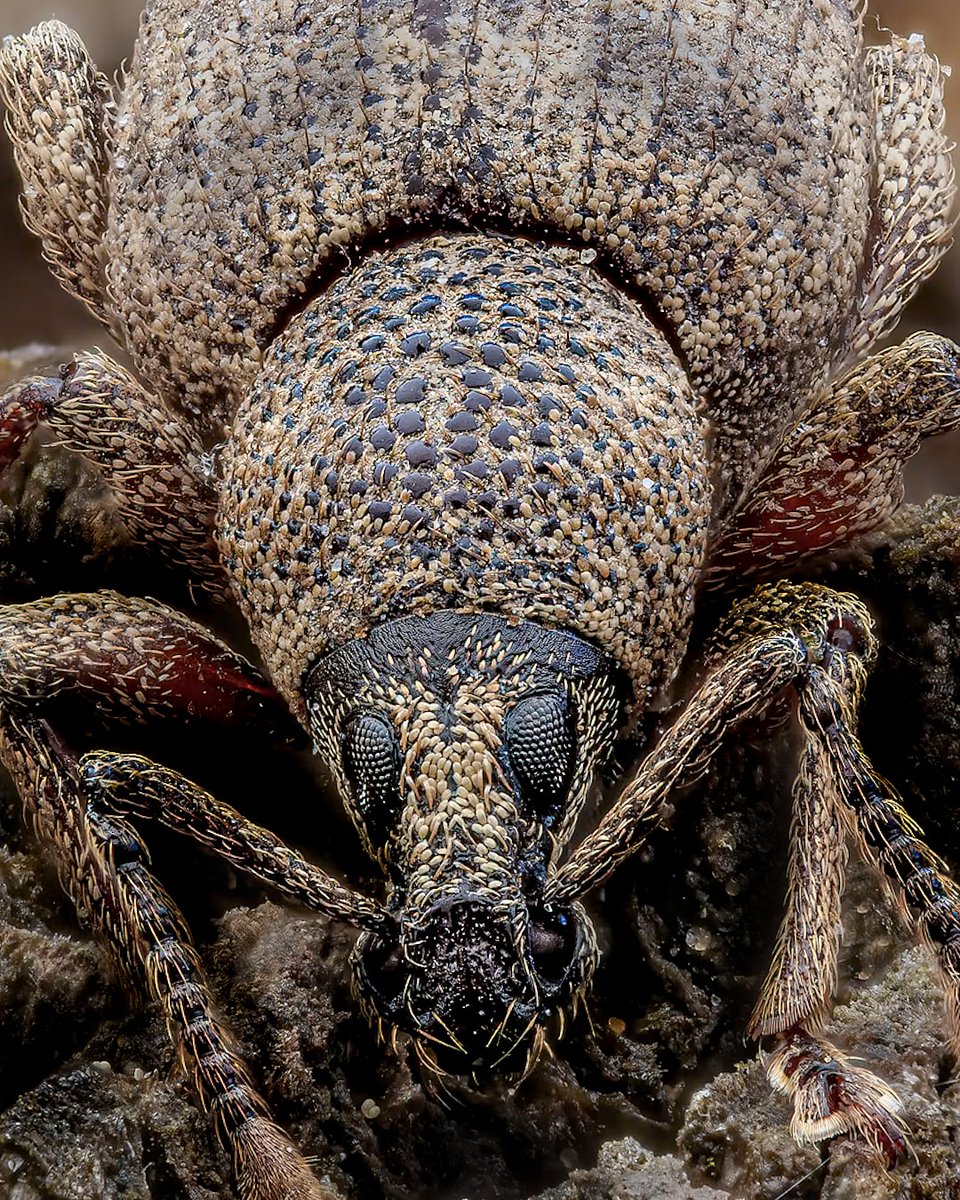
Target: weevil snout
(475, 982)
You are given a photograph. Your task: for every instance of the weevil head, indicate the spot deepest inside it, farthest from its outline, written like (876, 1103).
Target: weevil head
(464, 747)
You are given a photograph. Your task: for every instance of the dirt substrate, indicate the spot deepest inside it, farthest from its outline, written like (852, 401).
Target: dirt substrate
(659, 1098)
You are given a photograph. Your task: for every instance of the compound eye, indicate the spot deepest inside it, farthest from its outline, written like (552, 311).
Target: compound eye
(371, 760)
(541, 740)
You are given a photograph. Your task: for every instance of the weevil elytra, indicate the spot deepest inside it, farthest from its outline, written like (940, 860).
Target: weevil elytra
(513, 333)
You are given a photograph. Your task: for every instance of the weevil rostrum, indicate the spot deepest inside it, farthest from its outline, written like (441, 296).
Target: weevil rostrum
(513, 330)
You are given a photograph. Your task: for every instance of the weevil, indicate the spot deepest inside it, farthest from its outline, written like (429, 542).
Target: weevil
(474, 346)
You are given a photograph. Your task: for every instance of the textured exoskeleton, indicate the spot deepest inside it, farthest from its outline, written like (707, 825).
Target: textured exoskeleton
(515, 328)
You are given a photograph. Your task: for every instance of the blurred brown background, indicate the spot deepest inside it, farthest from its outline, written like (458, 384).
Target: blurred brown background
(32, 307)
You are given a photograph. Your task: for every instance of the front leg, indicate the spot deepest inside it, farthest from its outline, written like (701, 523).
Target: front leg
(813, 647)
(141, 660)
(831, 1096)
(103, 866)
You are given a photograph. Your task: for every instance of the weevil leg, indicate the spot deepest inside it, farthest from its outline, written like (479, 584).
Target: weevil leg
(913, 191)
(889, 837)
(816, 645)
(130, 786)
(137, 659)
(799, 987)
(102, 863)
(150, 460)
(131, 659)
(141, 660)
(830, 1095)
(838, 473)
(57, 104)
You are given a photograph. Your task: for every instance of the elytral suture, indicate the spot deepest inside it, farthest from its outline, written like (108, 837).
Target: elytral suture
(440, 627)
